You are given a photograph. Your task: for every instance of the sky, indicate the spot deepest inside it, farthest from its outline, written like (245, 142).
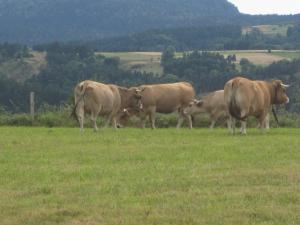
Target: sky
(267, 6)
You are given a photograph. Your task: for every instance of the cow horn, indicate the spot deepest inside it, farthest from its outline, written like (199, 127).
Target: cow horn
(285, 85)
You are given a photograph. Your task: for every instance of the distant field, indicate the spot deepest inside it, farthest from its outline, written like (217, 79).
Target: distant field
(150, 61)
(140, 61)
(271, 30)
(133, 176)
(22, 69)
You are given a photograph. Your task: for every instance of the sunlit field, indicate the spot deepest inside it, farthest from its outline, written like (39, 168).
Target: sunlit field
(139, 177)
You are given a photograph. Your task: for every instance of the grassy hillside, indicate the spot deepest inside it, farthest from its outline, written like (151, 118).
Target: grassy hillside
(134, 176)
(24, 68)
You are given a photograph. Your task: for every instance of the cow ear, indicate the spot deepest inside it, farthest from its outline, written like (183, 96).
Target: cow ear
(277, 84)
(199, 103)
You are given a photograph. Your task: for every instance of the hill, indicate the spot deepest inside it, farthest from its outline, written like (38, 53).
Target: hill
(35, 21)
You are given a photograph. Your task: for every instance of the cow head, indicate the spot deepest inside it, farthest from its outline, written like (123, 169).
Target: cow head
(279, 96)
(125, 114)
(194, 106)
(136, 98)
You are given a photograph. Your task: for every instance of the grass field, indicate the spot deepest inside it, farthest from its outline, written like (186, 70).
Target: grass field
(133, 176)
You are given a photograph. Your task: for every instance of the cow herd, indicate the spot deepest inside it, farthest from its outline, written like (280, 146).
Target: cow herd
(240, 99)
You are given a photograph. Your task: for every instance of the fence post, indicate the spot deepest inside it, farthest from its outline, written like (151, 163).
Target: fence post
(32, 105)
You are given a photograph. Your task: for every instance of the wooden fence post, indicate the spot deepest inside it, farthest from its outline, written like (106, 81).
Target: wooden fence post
(32, 105)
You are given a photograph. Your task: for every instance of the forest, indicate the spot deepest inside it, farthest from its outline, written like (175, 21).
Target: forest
(35, 21)
(219, 37)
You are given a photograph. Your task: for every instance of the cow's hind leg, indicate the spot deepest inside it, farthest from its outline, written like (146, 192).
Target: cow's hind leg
(243, 127)
(94, 120)
(228, 124)
(212, 124)
(80, 116)
(232, 122)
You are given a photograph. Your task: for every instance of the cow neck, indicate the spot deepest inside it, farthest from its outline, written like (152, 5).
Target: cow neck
(124, 97)
(273, 92)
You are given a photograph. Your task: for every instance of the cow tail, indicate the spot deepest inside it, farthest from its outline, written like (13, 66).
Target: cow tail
(234, 108)
(81, 98)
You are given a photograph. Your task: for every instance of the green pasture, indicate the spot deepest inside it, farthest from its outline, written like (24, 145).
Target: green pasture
(139, 177)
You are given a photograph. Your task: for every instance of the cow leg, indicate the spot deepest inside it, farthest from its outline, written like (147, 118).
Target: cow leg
(80, 115)
(94, 120)
(232, 122)
(108, 120)
(143, 122)
(212, 124)
(264, 122)
(180, 118)
(152, 119)
(267, 122)
(114, 122)
(180, 121)
(243, 127)
(228, 124)
(190, 121)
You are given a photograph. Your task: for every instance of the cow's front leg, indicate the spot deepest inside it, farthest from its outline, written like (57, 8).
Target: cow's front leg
(94, 120)
(152, 120)
(108, 120)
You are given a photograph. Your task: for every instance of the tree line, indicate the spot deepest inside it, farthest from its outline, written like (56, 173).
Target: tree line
(217, 37)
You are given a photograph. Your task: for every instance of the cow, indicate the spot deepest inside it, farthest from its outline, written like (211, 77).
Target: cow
(213, 104)
(106, 100)
(163, 98)
(244, 98)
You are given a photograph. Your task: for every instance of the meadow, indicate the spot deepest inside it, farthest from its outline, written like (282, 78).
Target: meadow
(163, 176)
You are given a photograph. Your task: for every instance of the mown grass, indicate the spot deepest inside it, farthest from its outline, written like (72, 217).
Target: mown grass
(133, 176)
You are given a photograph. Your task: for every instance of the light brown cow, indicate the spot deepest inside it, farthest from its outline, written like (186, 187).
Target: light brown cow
(163, 98)
(245, 98)
(106, 100)
(213, 104)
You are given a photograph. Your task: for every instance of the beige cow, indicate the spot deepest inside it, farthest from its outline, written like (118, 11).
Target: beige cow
(213, 104)
(163, 98)
(98, 99)
(244, 98)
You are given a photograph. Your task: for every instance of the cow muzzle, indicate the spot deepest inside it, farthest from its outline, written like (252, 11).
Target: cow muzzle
(140, 104)
(287, 100)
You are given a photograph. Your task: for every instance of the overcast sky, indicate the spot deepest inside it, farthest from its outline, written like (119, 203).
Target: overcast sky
(267, 6)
